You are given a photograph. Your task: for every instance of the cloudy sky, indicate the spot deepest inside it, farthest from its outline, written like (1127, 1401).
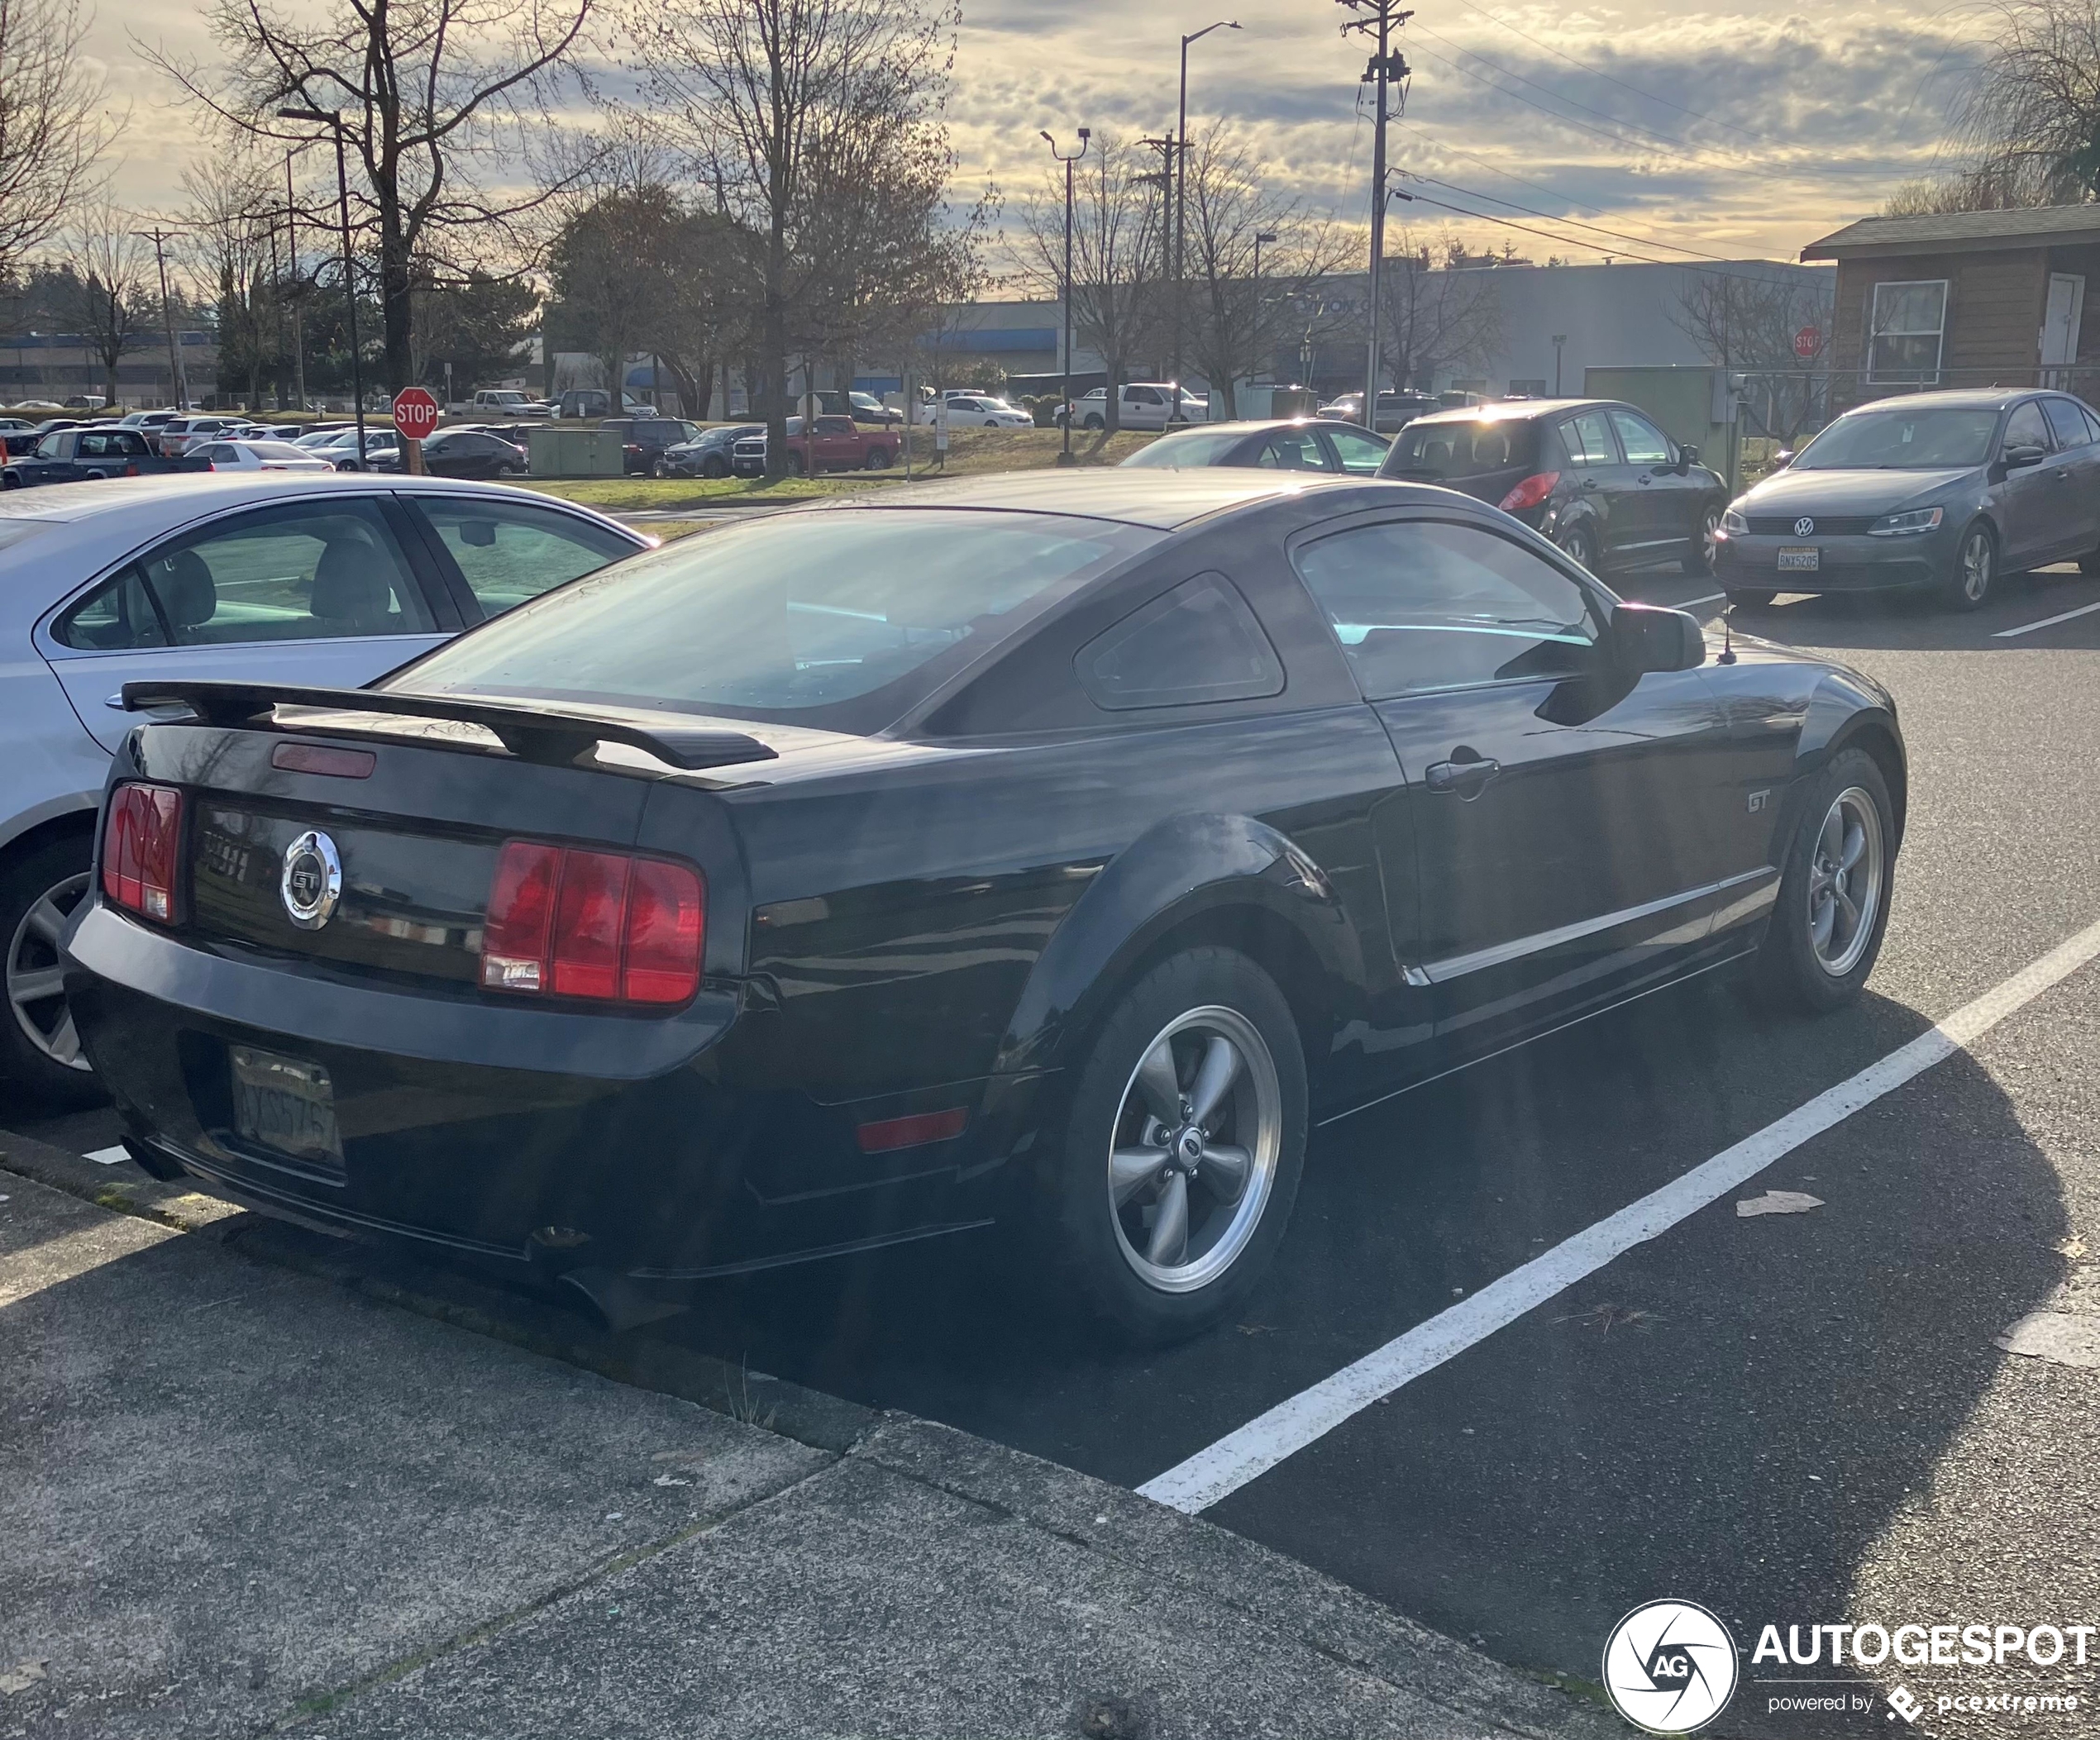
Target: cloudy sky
(1690, 126)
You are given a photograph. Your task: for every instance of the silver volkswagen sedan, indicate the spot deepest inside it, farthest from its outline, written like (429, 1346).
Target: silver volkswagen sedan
(327, 580)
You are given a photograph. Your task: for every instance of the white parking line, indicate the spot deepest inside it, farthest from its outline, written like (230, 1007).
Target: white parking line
(1711, 597)
(2083, 610)
(1251, 1450)
(108, 1156)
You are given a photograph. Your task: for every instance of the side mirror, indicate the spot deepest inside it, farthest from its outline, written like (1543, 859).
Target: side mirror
(2018, 458)
(1688, 454)
(1651, 637)
(1783, 458)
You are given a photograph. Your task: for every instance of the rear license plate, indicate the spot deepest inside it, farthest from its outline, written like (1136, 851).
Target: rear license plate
(1795, 559)
(287, 1105)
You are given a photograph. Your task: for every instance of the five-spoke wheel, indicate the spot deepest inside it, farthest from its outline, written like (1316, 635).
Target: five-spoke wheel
(40, 1049)
(1844, 882)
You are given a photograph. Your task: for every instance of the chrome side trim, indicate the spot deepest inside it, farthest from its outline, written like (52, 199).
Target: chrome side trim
(1456, 966)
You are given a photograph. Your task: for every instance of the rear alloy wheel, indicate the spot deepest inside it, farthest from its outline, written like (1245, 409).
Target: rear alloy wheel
(1092, 421)
(878, 459)
(1976, 569)
(714, 466)
(796, 466)
(1706, 551)
(1183, 1148)
(1579, 543)
(39, 1050)
(1834, 891)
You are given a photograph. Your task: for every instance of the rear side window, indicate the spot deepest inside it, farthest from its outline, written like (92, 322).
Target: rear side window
(116, 617)
(1427, 604)
(1201, 447)
(843, 617)
(1292, 450)
(1587, 438)
(1199, 642)
(508, 554)
(299, 574)
(1445, 450)
(2068, 422)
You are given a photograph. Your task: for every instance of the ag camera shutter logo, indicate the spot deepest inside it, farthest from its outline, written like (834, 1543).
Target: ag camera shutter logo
(1670, 1667)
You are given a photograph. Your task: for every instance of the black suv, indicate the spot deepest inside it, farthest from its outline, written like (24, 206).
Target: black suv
(1596, 476)
(645, 437)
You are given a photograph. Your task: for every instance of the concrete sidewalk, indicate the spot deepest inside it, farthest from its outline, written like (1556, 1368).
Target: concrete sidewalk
(240, 1490)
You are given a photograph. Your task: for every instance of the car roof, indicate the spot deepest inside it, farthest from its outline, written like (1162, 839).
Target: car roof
(1512, 410)
(1952, 398)
(1159, 497)
(145, 499)
(1251, 426)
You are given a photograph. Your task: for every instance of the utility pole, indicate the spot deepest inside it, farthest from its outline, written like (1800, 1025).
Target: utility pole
(1387, 67)
(177, 378)
(297, 295)
(1163, 178)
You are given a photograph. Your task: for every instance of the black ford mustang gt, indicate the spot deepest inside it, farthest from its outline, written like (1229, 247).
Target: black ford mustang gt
(1052, 849)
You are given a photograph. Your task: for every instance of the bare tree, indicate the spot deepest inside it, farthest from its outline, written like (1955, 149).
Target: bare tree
(1117, 304)
(1437, 318)
(1753, 325)
(106, 288)
(424, 90)
(1232, 225)
(53, 127)
(227, 222)
(2032, 118)
(800, 103)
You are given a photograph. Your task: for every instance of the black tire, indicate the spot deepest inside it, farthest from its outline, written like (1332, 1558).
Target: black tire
(1969, 586)
(505, 468)
(1579, 542)
(57, 868)
(796, 465)
(1093, 421)
(878, 459)
(1790, 973)
(1750, 598)
(1699, 559)
(714, 466)
(1089, 1259)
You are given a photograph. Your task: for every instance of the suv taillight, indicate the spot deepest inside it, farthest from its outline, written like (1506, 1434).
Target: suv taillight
(567, 922)
(139, 841)
(1532, 491)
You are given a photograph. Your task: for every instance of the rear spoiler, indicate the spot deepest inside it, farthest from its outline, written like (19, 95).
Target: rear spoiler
(548, 735)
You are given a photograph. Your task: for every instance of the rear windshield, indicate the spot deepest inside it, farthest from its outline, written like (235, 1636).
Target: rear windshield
(841, 618)
(1902, 441)
(1198, 447)
(1456, 449)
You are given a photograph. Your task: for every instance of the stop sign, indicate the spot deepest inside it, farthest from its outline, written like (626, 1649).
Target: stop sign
(1805, 343)
(415, 413)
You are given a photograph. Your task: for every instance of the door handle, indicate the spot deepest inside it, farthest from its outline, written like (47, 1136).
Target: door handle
(1643, 478)
(1467, 778)
(2064, 471)
(1588, 483)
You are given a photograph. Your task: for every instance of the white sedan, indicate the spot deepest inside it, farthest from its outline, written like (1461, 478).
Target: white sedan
(981, 411)
(245, 456)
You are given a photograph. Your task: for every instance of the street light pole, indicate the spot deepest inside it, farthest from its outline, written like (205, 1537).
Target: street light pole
(333, 120)
(1085, 133)
(176, 378)
(292, 249)
(1180, 167)
(1559, 339)
(1254, 337)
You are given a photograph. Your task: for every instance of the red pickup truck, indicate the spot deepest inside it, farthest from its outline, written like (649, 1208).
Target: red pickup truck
(832, 444)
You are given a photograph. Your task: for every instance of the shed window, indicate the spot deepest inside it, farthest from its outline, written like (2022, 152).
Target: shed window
(1907, 330)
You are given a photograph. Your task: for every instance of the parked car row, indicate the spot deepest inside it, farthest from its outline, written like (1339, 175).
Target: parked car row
(827, 444)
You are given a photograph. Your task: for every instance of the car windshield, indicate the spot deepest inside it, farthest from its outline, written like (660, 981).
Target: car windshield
(1931, 440)
(789, 619)
(1460, 450)
(1196, 447)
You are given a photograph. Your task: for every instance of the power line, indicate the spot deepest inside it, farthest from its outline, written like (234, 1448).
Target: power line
(1617, 120)
(1617, 139)
(1599, 72)
(1509, 224)
(1646, 241)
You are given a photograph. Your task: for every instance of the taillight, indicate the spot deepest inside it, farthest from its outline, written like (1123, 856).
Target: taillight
(606, 925)
(141, 838)
(1532, 491)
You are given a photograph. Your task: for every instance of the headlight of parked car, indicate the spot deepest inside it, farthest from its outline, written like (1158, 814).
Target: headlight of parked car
(1734, 524)
(1901, 525)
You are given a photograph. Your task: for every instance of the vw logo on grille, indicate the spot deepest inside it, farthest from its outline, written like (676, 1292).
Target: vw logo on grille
(312, 881)
(1803, 527)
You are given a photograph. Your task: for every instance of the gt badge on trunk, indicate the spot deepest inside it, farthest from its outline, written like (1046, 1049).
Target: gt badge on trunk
(312, 881)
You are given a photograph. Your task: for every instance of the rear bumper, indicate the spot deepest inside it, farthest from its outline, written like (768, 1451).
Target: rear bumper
(668, 1149)
(1846, 564)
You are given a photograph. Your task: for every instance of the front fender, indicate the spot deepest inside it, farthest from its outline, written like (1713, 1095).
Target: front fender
(1846, 708)
(1177, 871)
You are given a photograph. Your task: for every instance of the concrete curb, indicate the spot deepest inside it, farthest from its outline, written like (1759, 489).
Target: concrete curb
(1289, 1599)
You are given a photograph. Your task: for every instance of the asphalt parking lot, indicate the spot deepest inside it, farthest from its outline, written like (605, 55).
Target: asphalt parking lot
(1796, 1418)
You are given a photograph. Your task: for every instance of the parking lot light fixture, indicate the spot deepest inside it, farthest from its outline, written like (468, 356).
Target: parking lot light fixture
(1064, 457)
(333, 120)
(1180, 168)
